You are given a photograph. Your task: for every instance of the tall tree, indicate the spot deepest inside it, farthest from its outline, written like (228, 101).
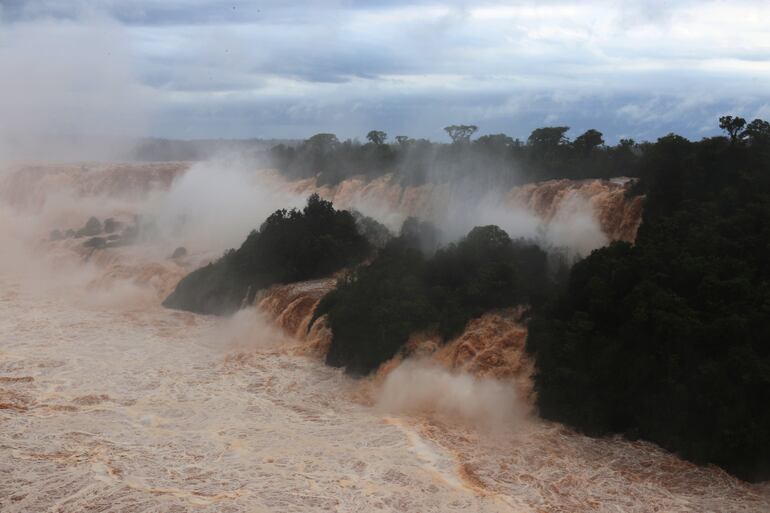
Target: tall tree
(460, 133)
(589, 140)
(548, 137)
(402, 140)
(494, 141)
(758, 131)
(377, 137)
(322, 143)
(732, 125)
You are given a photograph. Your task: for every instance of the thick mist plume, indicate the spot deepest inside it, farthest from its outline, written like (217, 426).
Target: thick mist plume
(216, 203)
(424, 387)
(68, 90)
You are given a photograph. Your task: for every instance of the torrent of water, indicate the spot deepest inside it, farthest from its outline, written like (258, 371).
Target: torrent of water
(109, 402)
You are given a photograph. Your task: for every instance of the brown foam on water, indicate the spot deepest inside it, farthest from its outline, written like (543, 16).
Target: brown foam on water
(138, 418)
(147, 410)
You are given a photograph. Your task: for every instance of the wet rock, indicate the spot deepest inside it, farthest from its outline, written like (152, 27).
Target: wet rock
(111, 225)
(92, 227)
(179, 252)
(96, 243)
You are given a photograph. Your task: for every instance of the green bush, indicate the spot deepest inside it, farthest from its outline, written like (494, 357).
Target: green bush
(290, 246)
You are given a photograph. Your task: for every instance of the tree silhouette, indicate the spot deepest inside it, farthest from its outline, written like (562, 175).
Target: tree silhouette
(758, 131)
(588, 140)
(548, 137)
(322, 143)
(377, 137)
(460, 133)
(403, 140)
(732, 125)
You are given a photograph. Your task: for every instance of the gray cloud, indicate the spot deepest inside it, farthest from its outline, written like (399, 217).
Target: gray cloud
(240, 69)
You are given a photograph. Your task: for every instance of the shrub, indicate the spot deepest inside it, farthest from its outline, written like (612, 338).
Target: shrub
(375, 309)
(291, 245)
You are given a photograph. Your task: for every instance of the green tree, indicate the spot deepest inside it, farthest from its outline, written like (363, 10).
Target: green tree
(548, 137)
(377, 137)
(668, 339)
(758, 131)
(402, 140)
(589, 140)
(322, 143)
(460, 133)
(375, 309)
(494, 141)
(291, 245)
(733, 126)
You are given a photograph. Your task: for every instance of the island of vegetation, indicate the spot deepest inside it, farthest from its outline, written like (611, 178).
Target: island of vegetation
(666, 339)
(291, 245)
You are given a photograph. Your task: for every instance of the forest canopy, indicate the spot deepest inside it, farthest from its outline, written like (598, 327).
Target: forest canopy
(291, 245)
(374, 309)
(669, 339)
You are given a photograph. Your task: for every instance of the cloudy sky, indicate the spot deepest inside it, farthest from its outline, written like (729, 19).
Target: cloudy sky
(210, 68)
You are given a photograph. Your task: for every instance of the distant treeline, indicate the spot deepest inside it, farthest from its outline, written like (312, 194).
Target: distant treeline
(498, 159)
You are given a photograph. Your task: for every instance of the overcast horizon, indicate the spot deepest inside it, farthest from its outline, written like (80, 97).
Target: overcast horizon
(212, 69)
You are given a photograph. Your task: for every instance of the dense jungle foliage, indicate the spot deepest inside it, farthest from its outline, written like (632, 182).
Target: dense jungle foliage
(374, 309)
(669, 339)
(291, 245)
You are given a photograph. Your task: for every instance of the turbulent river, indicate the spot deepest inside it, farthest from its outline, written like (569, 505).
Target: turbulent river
(108, 402)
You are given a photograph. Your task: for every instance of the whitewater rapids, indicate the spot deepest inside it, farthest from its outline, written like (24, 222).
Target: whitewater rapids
(110, 403)
(143, 410)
